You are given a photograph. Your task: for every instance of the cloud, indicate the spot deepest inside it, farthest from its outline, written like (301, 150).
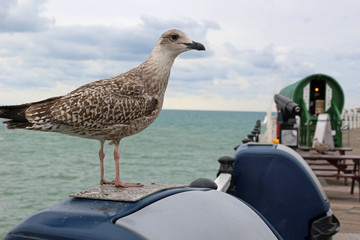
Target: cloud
(261, 58)
(233, 79)
(78, 42)
(237, 76)
(75, 54)
(244, 57)
(211, 101)
(234, 71)
(23, 16)
(348, 55)
(13, 95)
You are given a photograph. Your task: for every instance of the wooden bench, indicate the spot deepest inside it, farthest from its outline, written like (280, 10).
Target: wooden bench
(341, 151)
(327, 164)
(339, 162)
(336, 149)
(342, 165)
(353, 176)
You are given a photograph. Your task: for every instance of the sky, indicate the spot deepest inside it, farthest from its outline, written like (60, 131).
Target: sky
(253, 48)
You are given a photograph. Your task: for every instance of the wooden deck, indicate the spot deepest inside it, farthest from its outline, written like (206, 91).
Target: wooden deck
(346, 206)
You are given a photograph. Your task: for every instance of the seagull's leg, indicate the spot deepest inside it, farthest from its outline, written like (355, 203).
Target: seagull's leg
(102, 156)
(117, 170)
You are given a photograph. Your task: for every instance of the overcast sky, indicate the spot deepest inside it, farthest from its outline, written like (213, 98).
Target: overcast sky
(254, 48)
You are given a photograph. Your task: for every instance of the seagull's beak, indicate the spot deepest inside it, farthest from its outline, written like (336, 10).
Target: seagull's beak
(195, 45)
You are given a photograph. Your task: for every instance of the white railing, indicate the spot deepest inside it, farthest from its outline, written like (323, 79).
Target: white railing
(223, 182)
(351, 118)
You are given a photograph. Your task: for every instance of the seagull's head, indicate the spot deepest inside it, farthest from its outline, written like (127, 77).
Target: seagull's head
(175, 42)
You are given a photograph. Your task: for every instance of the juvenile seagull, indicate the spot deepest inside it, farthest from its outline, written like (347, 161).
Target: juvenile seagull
(108, 109)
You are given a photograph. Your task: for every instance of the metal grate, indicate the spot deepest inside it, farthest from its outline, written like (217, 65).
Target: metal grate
(132, 194)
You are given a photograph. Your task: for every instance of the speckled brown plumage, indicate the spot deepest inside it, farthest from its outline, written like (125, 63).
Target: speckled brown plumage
(108, 109)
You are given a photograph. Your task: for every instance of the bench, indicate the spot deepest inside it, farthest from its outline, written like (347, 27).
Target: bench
(353, 176)
(339, 161)
(336, 149)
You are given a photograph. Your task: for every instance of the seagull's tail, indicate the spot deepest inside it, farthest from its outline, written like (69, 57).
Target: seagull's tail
(16, 115)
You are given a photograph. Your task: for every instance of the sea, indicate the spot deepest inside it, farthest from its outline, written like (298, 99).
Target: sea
(38, 169)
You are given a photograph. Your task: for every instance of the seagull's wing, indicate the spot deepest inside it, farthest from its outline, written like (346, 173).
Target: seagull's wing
(101, 104)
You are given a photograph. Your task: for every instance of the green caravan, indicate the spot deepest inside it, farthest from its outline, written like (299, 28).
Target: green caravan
(317, 94)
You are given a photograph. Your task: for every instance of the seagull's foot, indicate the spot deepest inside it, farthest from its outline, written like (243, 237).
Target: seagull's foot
(127, 185)
(103, 181)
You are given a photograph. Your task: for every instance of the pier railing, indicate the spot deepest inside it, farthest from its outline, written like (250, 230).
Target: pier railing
(351, 118)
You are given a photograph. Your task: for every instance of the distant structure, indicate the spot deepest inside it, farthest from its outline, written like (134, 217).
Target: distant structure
(317, 96)
(351, 118)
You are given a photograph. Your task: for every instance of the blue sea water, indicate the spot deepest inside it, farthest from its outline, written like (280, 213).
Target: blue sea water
(38, 169)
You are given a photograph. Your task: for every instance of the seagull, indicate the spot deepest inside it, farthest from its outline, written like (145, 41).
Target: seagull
(320, 147)
(108, 109)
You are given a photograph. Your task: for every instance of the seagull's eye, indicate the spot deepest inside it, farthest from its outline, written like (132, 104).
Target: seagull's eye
(175, 36)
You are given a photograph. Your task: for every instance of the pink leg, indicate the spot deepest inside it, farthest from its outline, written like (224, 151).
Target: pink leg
(117, 171)
(102, 156)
